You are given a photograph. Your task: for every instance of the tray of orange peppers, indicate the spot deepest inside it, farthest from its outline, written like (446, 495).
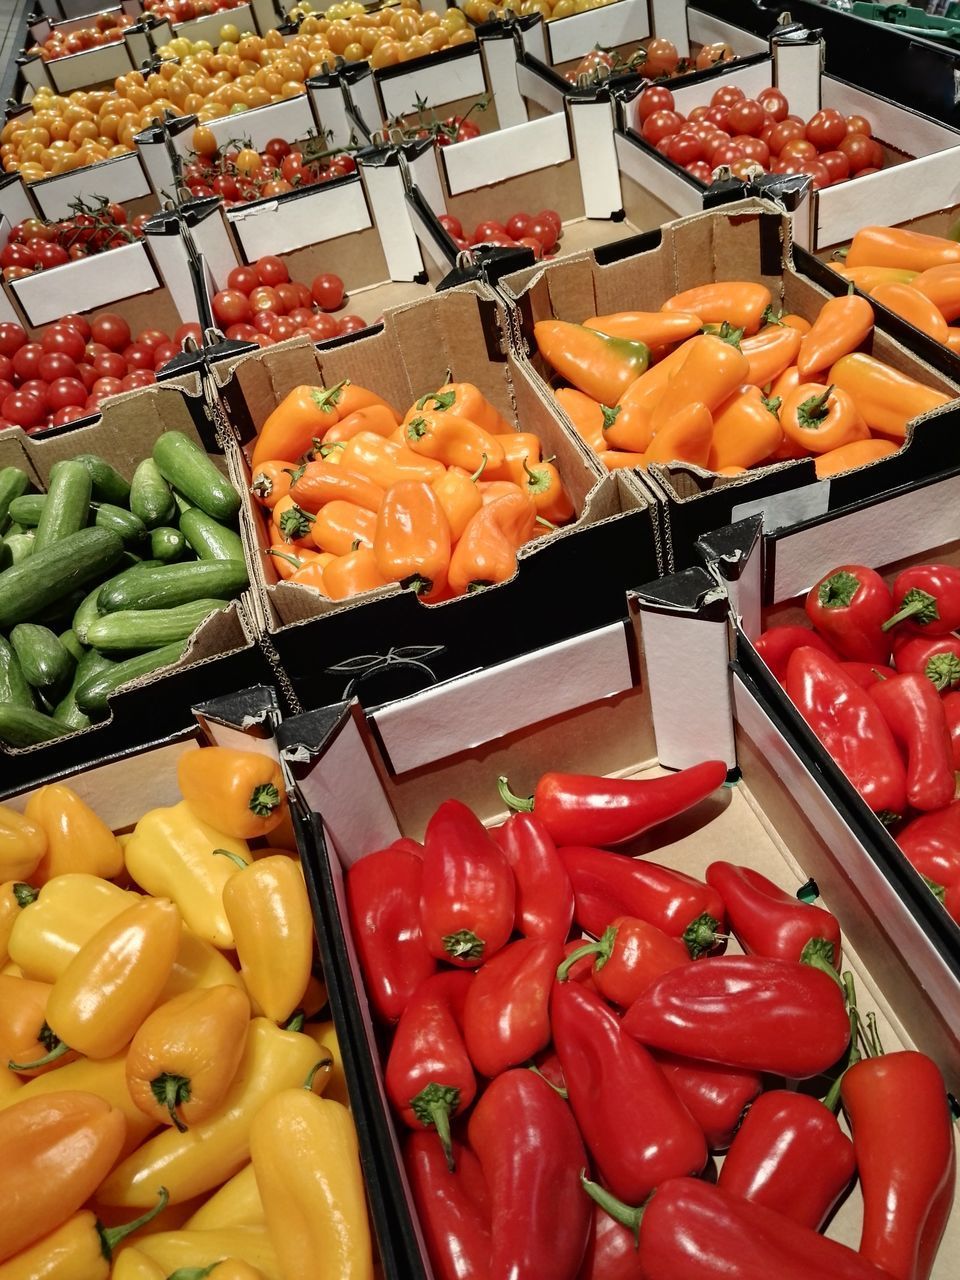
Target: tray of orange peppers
(171, 1095)
(439, 500)
(720, 379)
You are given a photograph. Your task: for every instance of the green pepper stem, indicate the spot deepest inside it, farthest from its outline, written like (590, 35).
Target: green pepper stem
(297, 1019)
(603, 950)
(264, 798)
(25, 894)
(832, 1099)
(52, 1056)
(628, 1215)
(558, 1089)
(480, 470)
(234, 857)
(110, 1237)
(520, 803)
(433, 1107)
(702, 934)
(322, 1065)
(819, 954)
(171, 1091)
(915, 604)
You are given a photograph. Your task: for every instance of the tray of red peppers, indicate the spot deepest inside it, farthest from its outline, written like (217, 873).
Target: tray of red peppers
(877, 679)
(570, 1036)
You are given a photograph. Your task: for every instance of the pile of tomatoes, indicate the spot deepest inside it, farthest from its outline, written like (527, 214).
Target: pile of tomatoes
(238, 173)
(35, 245)
(539, 232)
(262, 304)
(384, 37)
(745, 133)
(107, 28)
(660, 59)
(176, 11)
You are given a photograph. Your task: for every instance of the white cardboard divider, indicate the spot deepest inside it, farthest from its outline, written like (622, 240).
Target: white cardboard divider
(35, 73)
(534, 40)
(593, 140)
(172, 259)
(366, 101)
(494, 157)
(139, 45)
(8, 313)
(476, 709)
(751, 79)
(796, 70)
(330, 108)
(386, 191)
(704, 28)
(538, 90)
(615, 24)
(292, 118)
(500, 64)
(15, 203)
(207, 27)
(211, 238)
(435, 82)
(92, 66)
(783, 510)
(670, 23)
(120, 179)
(424, 171)
(86, 284)
(676, 193)
(157, 161)
(267, 14)
(280, 226)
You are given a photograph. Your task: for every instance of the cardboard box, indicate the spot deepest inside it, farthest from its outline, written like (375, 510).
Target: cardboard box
(373, 637)
(750, 241)
(522, 718)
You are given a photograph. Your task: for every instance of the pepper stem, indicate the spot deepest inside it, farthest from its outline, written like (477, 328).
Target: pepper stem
(433, 1106)
(832, 1100)
(480, 470)
(25, 894)
(532, 1066)
(819, 954)
(110, 1237)
(518, 803)
(297, 1019)
(171, 1092)
(628, 1215)
(234, 857)
(52, 1056)
(812, 412)
(464, 945)
(944, 670)
(916, 604)
(702, 935)
(264, 798)
(603, 950)
(323, 1065)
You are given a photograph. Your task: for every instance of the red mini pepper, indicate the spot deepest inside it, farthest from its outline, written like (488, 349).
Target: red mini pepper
(936, 657)
(926, 599)
(609, 885)
(383, 896)
(790, 1154)
(914, 713)
(931, 843)
(850, 606)
(611, 1251)
(636, 1128)
(627, 957)
(776, 644)
(951, 709)
(849, 725)
(429, 1075)
(506, 1018)
(544, 893)
(531, 1154)
(746, 1011)
(867, 674)
(453, 1207)
(469, 895)
(578, 808)
(716, 1096)
(767, 921)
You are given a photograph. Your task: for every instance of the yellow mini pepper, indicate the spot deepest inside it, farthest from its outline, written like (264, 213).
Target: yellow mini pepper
(199, 964)
(24, 1034)
(237, 792)
(190, 1252)
(236, 1204)
(77, 840)
(171, 854)
(49, 931)
(14, 896)
(22, 844)
(324, 1035)
(131, 1264)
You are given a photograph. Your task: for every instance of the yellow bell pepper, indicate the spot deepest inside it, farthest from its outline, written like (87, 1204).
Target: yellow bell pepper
(324, 1034)
(269, 912)
(184, 1057)
(115, 979)
(82, 1249)
(131, 1264)
(171, 855)
(178, 1250)
(236, 1204)
(49, 932)
(237, 792)
(24, 1034)
(305, 1155)
(22, 844)
(188, 1164)
(77, 840)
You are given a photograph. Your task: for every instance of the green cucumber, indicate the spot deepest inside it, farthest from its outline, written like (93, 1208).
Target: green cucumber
(130, 527)
(108, 484)
(133, 629)
(92, 693)
(50, 575)
(173, 584)
(72, 645)
(44, 661)
(209, 538)
(24, 726)
(88, 612)
(166, 543)
(67, 507)
(13, 683)
(182, 504)
(150, 496)
(66, 710)
(13, 483)
(28, 509)
(188, 469)
(20, 545)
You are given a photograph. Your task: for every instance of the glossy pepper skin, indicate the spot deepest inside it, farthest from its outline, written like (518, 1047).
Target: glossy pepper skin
(716, 1096)
(453, 1208)
(936, 657)
(544, 895)
(578, 808)
(14, 896)
(24, 1034)
(288, 432)
(455, 441)
(487, 551)
(767, 921)
(412, 544)
(931, 843)
(849, 607)
(611, 1251)
(791, 1155)
(926, 599)
(54, 1152)
(468, 895)
(907, 1186)
(531, 1154)
(506, 1015)
(886, 398)
(745, 1011)
(627, 957)
(48, 932)
(77, 839)
(914, 714)
(383, 897)
(22, 845)
(236, 1204)
(237, 792)
(741, 304)
(319, 482)
(841, 326)
(601, 367)
(182, 1253)
(616, 1088)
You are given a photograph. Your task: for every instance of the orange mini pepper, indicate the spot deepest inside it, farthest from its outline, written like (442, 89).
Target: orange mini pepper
(942, 286)
(629, 425)
(349, 398)
(237, 792)
(886, 399)
(652, 328)
(800, 323)
(386, 462)
(894, 247)
(287, 561)
(452, 440)
(411, 544)
(378, 418)
(491, 490)
(915, 307)
(615, 460)
(866, 279)
(781, 387)
(339, 526)
(22, 845)
(284, 505)
(271, 481)
(14, 896)
(487, 552)
(544, 485)
(461, 400)
(320, 482)
(602, 367)
(587, 417)
(820, 418)
(77, 840)
(520, 448)
(352, 574)
(770, 351)
(683, 438)
(953, 339)
(746, 429)
(710, 373)
(848, 456)
(459, 497)
(739, 303)
(24, 1034)
(842, 325)
(306, 412)
(311, 575)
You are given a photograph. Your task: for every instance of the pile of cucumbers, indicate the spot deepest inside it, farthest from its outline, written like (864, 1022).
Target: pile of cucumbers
(103, 581)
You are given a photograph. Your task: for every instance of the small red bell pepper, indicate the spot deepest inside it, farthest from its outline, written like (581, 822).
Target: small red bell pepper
(936, 657)
(611, 1251)
(627, 958)
(951, 709)
(849, 725)
(716, 1096)
(903, 1141)
(849, 607)
(790, 1154)
(609, 885)
(691, 1230)
(746, 1011)
(429, 1075)
(637, 1130)
(931, 843)
(468, 900)
(776, 644)
(544, 893)
(926, 600)
(453, 1207)
(578, 808)
(383, 897)
(767, 921)
(867, 674)
(506, 1018)
(531, 1154)
(914, 714)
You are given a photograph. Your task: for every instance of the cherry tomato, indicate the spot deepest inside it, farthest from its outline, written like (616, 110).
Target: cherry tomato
(782, 133)
(826, 129)
(26, 362)
(818, 172)
(243, 279)
(866, 172)
(859, 124)
(532, 243)
(727, 95)
(12, 337)
(264, 298)
(92, 350)
(277, 148)
(189, 330)
(230, 306)
(69, 413)
(291, 167)
(57, 364)
(701, 171)
(662, 124)
(718, 118)
(110, 365)
(727, 153)
(487, 231)
(836, 164)
(51, 255)
(545, 231)
(59, 338)
(138, 378)
(684, 148)
(87, 375)
(746, 116)
(858, 149)
(66, 391)
(774, 103)
(327, 291)
(164, 354)
(656, 97)
(79, 323)
(23, 409)
(138, 356)
(662, 58)
(112, 330)
(6, 388)
(151, 338)
(6, 369)
(551, 216)
(518, 225)
(451, 225)
(353, 324)
(241, 333)
(288, 296)
(754, 148)
(798, 149)
(107, 386)
(325, 327)
(265, 321)
(271, 270)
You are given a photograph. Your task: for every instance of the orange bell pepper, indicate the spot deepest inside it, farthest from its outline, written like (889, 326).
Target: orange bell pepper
(459, 497)
(739, 303)
(520, 448)
(853, 455)
(237, 792)
(886, 399)
(411, 544)
(320, 482)
(287, 561)
(711, 372)
(352, 574)
(271, 481)
(587, 417)
(544, 485)
(460, 400)
(378, 418)
(915, 307)
(684, 438)
(894, 247)
(652, 328)
(385, 462)
(746, 429)
(820, 418)
(630, 424)
(24, 1034)
(22, 845)
(942, 286)
(600, 366)
(769, 352)
(295, 540)
(866, 279)
(338, 527)
(14, 896)
(842, 325)
(55, 1151)
(301, 415)
(452, 440)
(77, 840)
(487, 552)
(349, 399)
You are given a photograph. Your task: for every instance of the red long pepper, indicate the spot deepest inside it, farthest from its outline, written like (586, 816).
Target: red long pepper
(544, 893)
(849, 607)
(866, 674)
(776, 644)
(936, 657)
(383, 896)
(453, 1207)
(914, 713)
(767, 921)
(578, 808)
(506, 1018)
(951, 709)
(627, 958)
(932, 844)
(531, 1154)
(716, 1096)
(611, 1251)
(790, 1154)
(926, 600)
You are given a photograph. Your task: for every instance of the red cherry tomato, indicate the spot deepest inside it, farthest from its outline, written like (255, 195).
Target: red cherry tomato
(755, 149)
(518, 225)
(489, 230)
(6, 388)
(661, 125)
(863, 173)
(818, 172)
(69, 413)
(242, 278)
(858, 149)
(138, 356)
(87, 375)
(151, 338)
(662, 58)
(545, 231)
(726, 153)
(727, 95)
(531, 242)
(230, 306)
(107, 387)
(110, 365)
(859, 124)
(353, 324)
(277, 148)
(265, 321)
(836, 164)
(451, 225)
(80, 323)
(23, 409)
(285, 328)
(164, 354)
(56, 364)
(112, 330)
(782, 133)
(189, 330)
(798, 149)
(271, 271)
(6, 369)
(826, 129)
(324, 327)
(264, 298)
(138, 378)
(774, 103)
(327, 291)
(746, 116)
(59, 338)
(12, 337)
(66, 391)
(656, 97)
(288, 296)
(684, 148)
(701, 171)
(26, 362)
(51, 255)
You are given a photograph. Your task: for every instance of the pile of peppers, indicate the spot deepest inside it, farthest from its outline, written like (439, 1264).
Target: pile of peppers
(440, 499)
(878, 682)
(569, 1046)
(173, 1101)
